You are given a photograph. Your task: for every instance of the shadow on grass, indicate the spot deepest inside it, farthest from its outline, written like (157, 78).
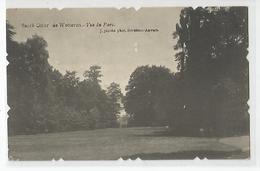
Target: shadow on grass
(188, 155)
(165, 133)
(169, 133)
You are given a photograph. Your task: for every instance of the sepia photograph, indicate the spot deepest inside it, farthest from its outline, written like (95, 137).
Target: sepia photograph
(157, 83)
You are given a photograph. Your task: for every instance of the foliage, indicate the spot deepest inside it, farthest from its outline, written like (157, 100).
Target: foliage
(41, 99)
(208, 96)
(212, 44)
(147, 95)
(115, 97)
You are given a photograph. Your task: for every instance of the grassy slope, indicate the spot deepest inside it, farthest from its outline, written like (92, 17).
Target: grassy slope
(113, 143)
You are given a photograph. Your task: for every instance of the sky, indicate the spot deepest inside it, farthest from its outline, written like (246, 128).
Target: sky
(77, 48)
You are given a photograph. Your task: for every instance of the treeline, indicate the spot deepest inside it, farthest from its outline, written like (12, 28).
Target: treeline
(208, 95)
(41, 99)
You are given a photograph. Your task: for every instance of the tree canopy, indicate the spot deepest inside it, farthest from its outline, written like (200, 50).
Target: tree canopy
(210, 90)
(44, 100)
(207, 96)
(212, 44)
(147, 95)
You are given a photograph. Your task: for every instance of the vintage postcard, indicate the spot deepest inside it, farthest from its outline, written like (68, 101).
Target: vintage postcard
(158, 83)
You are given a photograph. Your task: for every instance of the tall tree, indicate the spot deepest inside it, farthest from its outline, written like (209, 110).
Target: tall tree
(149, 95)
(29, 87)
(212, 44)
(115, 98)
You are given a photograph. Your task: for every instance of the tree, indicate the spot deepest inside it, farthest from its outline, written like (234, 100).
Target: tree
(41, 99)
(10, 33)
(212, 44)
(94, 99)
(29, 87)
(149, 95)
(69, 88)
(93, 74)
(90, 88)
(115, 99)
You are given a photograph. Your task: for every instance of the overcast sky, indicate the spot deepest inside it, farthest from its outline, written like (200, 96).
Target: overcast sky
(117, 53)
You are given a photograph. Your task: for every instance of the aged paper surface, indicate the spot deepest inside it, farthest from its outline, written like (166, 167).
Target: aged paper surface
(157, 83)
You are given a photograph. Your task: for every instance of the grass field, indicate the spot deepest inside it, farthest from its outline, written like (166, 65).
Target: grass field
(113, 143)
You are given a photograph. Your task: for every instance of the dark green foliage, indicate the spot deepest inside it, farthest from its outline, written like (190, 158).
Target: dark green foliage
(41, 99)
(149, 92)
(115, 98)
(29, 86)
(208, 96)
(212, 44)
(93, 74)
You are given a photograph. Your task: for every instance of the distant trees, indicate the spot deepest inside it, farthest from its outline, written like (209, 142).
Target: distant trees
(41, 99)
(93, 74)
(115, 98)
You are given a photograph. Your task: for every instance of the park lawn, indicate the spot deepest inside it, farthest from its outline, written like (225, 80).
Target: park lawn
(113, 143)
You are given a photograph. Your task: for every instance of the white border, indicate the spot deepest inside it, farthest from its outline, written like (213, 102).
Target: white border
(121, 3)
(137, 4)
